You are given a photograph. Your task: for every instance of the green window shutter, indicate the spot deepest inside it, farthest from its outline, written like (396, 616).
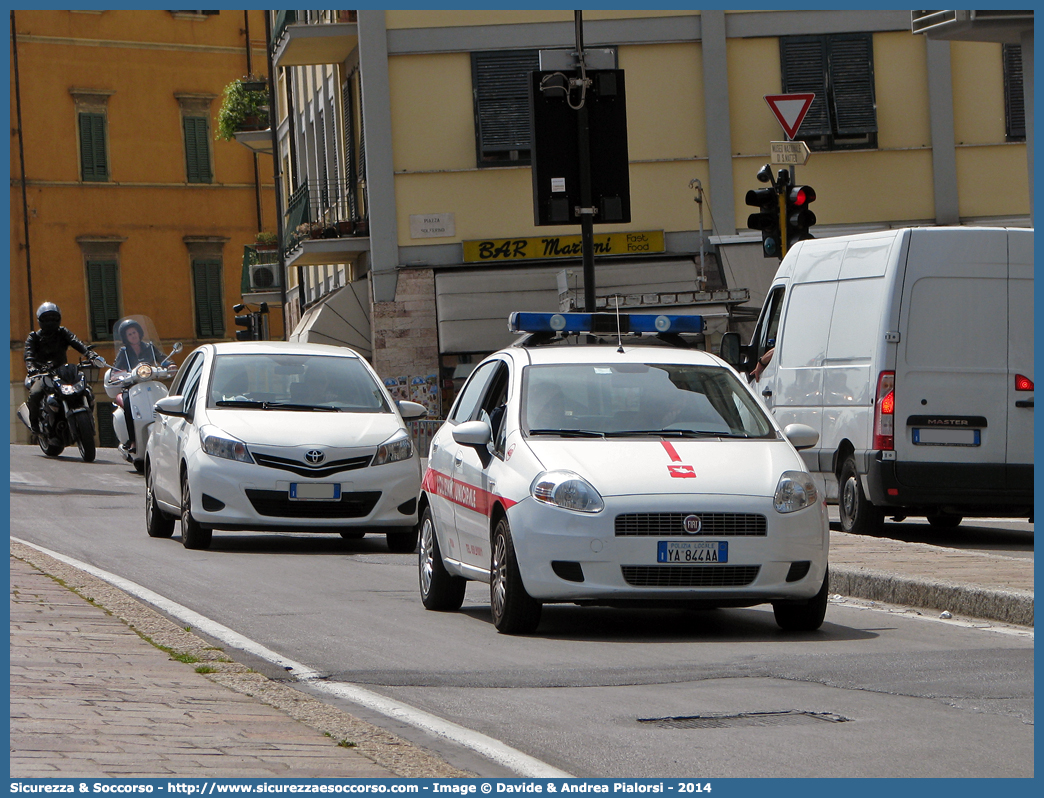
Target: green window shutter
(206, 283)
(500, 82)
(1014, 100)
(804, 69)
(852, 84)
(103, 295)
(197, 150)
(93, 160)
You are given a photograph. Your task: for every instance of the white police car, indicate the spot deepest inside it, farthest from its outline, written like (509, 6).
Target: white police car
(615, 467)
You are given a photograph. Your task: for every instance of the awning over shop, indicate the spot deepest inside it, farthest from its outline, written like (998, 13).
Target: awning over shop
(342, 318)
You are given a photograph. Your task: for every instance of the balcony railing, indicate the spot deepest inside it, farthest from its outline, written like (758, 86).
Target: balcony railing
(327, 17)
(324, 210)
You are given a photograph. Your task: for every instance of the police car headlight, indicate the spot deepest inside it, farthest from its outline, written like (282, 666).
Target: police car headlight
(566, 490)
(398, 447)
(795, 491)
(217, 443)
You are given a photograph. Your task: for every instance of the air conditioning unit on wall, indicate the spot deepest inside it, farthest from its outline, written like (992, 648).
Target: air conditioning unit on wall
(264, 276)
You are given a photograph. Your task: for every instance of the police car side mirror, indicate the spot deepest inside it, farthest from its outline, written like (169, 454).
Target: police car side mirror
(473, 433)
(410, 410)
(731, 349)
(171, 406)
(801, 435)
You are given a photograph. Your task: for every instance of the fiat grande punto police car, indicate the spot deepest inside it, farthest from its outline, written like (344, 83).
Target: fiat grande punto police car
(618, 467)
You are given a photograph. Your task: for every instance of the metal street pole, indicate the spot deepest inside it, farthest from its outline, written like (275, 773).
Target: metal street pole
(584, 152)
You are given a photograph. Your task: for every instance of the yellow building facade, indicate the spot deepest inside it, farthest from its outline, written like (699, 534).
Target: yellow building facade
(130, 205)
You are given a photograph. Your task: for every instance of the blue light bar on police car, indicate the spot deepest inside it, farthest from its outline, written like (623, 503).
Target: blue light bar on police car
(603, 323)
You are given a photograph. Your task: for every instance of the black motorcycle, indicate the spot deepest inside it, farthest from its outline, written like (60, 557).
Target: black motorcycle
(67, 410)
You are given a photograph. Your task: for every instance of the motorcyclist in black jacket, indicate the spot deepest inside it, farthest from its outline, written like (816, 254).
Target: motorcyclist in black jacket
(45, 349)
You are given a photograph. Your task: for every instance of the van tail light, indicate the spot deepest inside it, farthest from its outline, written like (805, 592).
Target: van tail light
(884, 412)
(1023, 383)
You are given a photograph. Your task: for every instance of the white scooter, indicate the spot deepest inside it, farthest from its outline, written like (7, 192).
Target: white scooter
(136, 391)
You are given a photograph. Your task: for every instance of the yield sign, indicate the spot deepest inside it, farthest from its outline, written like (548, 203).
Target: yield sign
(790, 110)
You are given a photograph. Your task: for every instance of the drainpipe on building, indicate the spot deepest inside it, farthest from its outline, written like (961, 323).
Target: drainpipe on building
(257, 173)
(21, 161)
(273, 126)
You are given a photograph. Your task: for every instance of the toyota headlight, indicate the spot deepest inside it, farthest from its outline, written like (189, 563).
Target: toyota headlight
(217, 443)
(566, 490)
(796, 491)
(398, 447)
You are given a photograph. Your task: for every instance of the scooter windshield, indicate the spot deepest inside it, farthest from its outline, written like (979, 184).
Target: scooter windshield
(135, 341)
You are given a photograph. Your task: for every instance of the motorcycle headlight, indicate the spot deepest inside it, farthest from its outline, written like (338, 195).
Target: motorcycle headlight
(68, 390)
(796, 491)
(143, 371)
(216, 443)
(398, 447)
(566, 490)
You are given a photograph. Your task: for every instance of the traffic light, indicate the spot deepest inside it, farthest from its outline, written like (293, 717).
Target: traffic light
(249, 321)
(799, 216)
(767, 220)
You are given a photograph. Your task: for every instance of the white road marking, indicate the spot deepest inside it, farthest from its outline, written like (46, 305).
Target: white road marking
(516, 761)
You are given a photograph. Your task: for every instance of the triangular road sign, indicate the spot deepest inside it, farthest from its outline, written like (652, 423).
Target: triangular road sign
(790, 110)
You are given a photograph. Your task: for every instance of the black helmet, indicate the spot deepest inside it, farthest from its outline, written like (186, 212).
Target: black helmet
(49, 316)
(128, 324)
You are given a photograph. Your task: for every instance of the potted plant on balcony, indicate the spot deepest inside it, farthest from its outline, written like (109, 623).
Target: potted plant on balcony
(241, 110)
(266, 240)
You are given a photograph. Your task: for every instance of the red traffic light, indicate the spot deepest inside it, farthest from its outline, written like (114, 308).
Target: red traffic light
(802, 195)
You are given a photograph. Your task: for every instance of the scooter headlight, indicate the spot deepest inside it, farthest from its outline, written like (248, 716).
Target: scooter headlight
(566, 490)
(217, 443)
(143, 371)
(796, 491)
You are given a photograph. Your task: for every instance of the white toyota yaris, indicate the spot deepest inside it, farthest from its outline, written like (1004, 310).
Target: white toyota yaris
(616, 469)
(274, 436)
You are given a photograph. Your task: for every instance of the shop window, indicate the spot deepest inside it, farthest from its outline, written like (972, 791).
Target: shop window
(839, 69)
(500, 83)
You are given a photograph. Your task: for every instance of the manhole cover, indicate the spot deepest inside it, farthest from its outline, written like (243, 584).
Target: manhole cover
(787, 717)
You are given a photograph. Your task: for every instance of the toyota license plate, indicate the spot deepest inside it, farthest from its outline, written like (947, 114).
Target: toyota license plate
(692, 551)
(315, 491)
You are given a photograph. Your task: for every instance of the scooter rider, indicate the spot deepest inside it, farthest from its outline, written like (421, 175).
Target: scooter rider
(47, 348)
(135, 350)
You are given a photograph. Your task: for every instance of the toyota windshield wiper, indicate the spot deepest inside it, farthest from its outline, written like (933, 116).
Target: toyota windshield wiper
(569, 433)
(273, 405)
(671, 433)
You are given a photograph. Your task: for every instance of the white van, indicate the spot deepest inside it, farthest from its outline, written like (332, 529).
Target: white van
(911, 353)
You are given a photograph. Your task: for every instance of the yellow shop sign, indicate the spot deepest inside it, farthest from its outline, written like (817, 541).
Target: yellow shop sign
(543, 247)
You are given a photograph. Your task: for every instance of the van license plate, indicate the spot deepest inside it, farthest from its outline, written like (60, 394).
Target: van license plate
(946, 437)
(315, 491)
(692, 551)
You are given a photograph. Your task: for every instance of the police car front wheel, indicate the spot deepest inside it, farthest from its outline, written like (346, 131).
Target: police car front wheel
(514, 610)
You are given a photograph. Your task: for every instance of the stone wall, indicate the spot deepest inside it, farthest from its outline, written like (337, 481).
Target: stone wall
(405, 336)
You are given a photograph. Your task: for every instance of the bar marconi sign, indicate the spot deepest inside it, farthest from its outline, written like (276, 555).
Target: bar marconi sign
(545, 247)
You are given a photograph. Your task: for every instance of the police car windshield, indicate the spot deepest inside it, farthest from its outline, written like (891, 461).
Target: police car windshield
(268, 381)
(623, 399)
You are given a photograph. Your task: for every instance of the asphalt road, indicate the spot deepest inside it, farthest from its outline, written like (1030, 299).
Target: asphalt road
(596, 692)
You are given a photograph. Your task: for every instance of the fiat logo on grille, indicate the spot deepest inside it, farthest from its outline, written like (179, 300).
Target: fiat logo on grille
(315, 457)
(692, 524)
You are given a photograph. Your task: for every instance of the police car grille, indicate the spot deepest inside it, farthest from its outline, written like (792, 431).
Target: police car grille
(277, 504)
(663, 524)
(690, 575)
(314, 472)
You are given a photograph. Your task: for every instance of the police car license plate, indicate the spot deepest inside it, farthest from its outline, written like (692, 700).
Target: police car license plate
(946, 437)
(692, 551)
(315, 491)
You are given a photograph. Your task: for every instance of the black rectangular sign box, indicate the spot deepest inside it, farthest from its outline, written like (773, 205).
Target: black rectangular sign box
(555, 149)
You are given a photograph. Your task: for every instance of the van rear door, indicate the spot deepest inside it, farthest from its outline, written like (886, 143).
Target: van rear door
(1020, 346)
(951, 383)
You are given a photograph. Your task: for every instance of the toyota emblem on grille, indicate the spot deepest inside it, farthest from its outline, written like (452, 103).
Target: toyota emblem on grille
(315, 457)
(692, 524)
